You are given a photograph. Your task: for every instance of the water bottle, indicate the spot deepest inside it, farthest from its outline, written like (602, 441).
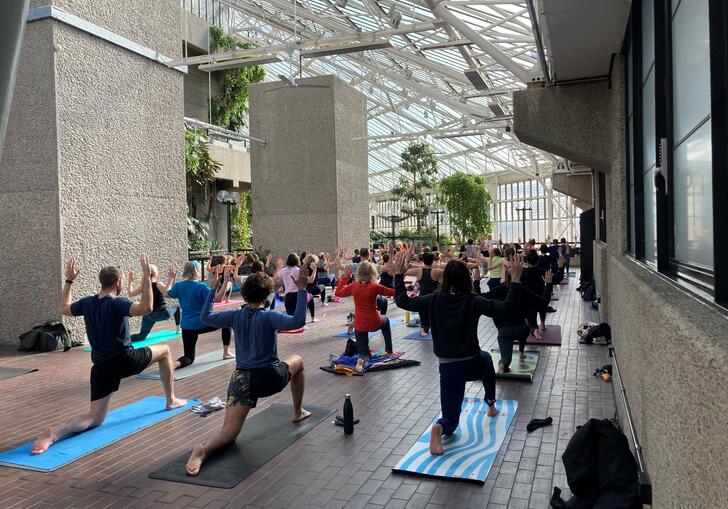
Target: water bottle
(348, 415)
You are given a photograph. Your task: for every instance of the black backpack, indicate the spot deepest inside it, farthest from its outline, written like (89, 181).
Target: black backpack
(588, 290)
(600, 469)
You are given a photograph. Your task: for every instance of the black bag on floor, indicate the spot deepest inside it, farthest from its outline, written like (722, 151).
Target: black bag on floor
(603, 330)
(600, 469)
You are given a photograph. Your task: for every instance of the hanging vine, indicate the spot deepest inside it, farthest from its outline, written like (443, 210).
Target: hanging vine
(230, 110)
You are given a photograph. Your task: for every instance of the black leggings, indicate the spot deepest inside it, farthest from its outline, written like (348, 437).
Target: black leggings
(507, 334)
(290, 303)
(531, 318)
(189, 341)
(315, 289)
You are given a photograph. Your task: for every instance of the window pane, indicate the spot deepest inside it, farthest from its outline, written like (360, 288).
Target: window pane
(650, 216)
(648, 36)
(694, 199)
(648, 122)
(691, 66)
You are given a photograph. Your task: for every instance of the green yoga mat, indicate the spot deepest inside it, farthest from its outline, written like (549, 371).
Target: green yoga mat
(519, 370)
(202, 363)
(262, 438)
(153, 338)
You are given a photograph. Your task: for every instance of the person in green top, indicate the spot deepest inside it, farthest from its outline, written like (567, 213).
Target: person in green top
(495, 262)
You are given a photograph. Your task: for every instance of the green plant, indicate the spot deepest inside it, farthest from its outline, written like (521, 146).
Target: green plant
(240, 216)
(420, 162)
(230, 109)
(197, 234)
(468, 204)
(200, 167)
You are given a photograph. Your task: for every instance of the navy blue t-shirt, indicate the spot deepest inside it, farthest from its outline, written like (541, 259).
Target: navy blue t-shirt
(107, 325)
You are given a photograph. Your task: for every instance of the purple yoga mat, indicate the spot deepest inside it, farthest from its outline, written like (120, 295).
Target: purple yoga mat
(551, 337)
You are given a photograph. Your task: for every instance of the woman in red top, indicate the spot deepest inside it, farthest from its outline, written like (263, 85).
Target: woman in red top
(366, 317)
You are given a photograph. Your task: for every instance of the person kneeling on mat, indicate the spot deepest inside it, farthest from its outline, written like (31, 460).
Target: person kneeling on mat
(113, 356)
(258, 372)
(454, 312)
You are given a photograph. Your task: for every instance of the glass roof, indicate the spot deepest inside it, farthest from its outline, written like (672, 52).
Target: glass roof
(417, 89)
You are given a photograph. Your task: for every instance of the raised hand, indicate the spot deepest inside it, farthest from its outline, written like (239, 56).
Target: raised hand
(401, 264)
(130, 277)
(268, 258)
(302, 280)
(144, 264)
(549, 277)
(279, 263)
(71, 271)
(171, 271)
(516, 268)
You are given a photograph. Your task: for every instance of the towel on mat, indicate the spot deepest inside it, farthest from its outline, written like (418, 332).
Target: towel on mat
(345, 364)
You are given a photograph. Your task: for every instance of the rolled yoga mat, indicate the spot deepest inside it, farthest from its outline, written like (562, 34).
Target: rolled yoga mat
(264, 436)
(202, 363)
(519, 370)
(469, 452)
(551, 337)
(6, 373)
(152, 339)
(120, 423)
(343, 334)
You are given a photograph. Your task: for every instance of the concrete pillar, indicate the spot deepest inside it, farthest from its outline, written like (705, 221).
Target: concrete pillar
(310, 181)
(12, 25)
(93, 167)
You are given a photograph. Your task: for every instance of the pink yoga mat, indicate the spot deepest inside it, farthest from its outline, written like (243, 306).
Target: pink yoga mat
(233, 302)
(551, 337)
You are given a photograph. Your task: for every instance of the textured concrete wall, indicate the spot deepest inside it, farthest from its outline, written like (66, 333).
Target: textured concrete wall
(98, 152)
(234, 163)
(309, 159)
(578, 187)
(30, 255)
(573, 121)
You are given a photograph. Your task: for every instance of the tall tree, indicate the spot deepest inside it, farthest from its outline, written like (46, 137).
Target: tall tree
(468, 203)
(419, 161)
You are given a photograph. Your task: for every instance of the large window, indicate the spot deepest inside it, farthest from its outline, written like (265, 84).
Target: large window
(675, 110)
(551, 215)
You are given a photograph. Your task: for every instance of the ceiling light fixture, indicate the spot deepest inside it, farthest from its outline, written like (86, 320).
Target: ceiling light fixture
(236, 64)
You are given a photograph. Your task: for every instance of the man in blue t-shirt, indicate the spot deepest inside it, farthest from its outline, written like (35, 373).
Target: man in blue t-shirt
(107, 326)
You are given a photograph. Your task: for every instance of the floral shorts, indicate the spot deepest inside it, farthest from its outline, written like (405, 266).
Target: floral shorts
(247, 385)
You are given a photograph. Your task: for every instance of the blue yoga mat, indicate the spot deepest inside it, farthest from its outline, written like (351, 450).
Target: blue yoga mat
(343, 333)
(470, 451)
(416, 335)
(120, 423)
(152, 339)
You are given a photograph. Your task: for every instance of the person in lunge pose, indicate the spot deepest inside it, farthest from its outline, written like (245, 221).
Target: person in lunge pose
(161, 310)
(258, 372)
(113, 356)
(453, 313)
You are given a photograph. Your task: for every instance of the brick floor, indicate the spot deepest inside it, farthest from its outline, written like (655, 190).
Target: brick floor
(324, 468)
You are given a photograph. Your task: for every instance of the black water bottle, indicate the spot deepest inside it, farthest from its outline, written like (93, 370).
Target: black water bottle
(348, 415)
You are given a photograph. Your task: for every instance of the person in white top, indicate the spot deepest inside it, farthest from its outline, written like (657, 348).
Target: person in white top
(288, 275)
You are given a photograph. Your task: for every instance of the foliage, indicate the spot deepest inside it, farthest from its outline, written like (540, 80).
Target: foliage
(240, 218)
(468, 204)
(378, 236)
(419, 161)
(199, 164)
(231, 108)
(197, 234)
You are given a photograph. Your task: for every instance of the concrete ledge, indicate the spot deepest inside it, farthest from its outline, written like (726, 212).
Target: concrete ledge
(578, 187)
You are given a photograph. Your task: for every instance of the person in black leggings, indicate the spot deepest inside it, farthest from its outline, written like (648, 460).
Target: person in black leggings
(191, 294)
(533, 280)
(454, 313)
(314, 288)
(288, 275)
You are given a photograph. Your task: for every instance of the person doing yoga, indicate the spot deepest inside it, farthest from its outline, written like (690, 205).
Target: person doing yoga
(191, 295)
(288, 275)
(453, 313)
(258, 372)
(428, 279)
(161, 310)
(106, 316)
(367, 319)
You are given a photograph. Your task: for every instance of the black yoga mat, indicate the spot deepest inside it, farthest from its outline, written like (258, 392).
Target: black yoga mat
(264, 435)
(6, 373)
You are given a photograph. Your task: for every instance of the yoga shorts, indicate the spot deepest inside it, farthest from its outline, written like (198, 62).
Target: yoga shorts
(106, 376)
(247, 385)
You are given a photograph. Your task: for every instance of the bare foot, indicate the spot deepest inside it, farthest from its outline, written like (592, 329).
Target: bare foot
(196, 459)
(423, 333)
(227, 355)
(177, 364)
(543, 326)
(43, 442)
(313, 320)
(388, 353)
(359, 366)
(522, 356)
(299, 416)
(537, 335)
(175, 403)
(492, 411)
(436, 440)
(501, 368)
